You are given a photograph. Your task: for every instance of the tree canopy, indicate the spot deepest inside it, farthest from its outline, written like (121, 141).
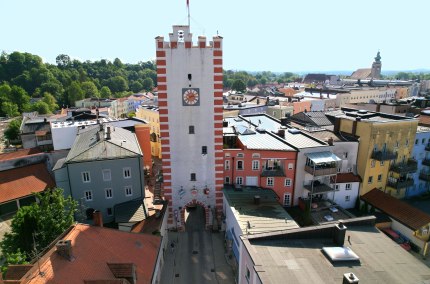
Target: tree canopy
(44, 220)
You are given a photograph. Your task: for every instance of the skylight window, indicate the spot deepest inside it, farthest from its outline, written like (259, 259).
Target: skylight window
(336, 254)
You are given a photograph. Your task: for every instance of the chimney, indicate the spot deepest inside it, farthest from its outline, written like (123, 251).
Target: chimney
(349, 278)
(257, 199)
(330, 141)
(224, 123)
(107, 132)
(339, 234)
(281, 133)
(97, 114)
(64, 248)
(98, 218)
(101, 126)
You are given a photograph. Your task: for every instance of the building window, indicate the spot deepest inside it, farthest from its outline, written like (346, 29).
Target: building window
(204, 150)
(86, 177)
(106, 175)
(191, 129)
(126, 172)
(88, 195)
(382, 163)
(128, 190)
(287, 200)
(372, 163)
(239, 155)
(270, 181)
(370, 179)
(407, 142)
(247, 275)
(336, 187)
(109, 212)
(227, 164)
(108, 193)
(287, 182)
(348, 186)
(193, 177)
(255, 165)
(227, 180)
(423, 141)
(239, 180)
(290, 166)
(380, 177)
(256, 155)
(347, 198)
(345, 155)
(239, 165)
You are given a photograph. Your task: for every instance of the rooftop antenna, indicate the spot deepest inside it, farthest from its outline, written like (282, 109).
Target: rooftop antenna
(188, 9)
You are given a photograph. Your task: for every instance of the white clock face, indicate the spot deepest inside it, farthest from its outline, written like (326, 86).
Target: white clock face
(190, 96)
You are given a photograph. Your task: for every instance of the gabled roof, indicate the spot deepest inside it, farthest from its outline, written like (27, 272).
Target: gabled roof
(94, 250)
(397, 209)
(24, 181)
(93, 145)
(315, 118)
(345, 177)
(362, 73)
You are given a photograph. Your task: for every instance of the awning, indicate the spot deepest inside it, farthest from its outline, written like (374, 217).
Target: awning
(323, 157)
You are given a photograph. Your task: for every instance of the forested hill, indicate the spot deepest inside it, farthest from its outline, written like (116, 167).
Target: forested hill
(24, 77)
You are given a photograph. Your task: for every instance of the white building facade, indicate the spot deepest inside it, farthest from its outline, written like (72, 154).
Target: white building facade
(190, 97)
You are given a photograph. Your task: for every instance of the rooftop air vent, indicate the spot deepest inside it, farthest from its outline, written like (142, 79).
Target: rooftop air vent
(293, 131)
(362, 111)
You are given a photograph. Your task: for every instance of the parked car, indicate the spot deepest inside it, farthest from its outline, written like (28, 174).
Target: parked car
(397, 238)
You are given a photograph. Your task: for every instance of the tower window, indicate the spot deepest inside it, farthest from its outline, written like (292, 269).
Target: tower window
(191, 129)
(204, 150)
(193, 177)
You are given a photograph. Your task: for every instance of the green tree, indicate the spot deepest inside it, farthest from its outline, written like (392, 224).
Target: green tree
(238, 85)
(41, 107)
(20, 97)
(148, 84)
(105, 92)
(50, 101)
(9, 109)
(90, 90)
(62, 60)
(117, 84)
(45, 219)
(74, 93)
(136, 87)
(12, 131)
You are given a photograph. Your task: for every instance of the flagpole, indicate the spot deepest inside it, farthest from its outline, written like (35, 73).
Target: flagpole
(188, 9)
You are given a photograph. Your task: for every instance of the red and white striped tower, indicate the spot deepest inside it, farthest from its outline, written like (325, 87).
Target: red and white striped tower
(190, 88)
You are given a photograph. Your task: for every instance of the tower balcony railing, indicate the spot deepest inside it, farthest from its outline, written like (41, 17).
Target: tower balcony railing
(384, 155)
(424, 176)
(321, 171)
(400, 183)
(426, 162)
(410, 166)
(427, 148)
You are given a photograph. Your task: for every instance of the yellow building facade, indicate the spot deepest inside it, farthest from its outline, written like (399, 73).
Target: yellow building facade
(152, 116)
(385, 149)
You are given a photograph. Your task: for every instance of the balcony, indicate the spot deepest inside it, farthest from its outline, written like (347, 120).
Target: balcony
(425, 176)
(410, 166)
(427, 148)
(273, 172)
(426, 162)
(401, 183)
(318, 188)
(384, 155)
(321, 171)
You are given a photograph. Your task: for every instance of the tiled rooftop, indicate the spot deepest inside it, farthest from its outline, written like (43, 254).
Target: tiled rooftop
(19, 154)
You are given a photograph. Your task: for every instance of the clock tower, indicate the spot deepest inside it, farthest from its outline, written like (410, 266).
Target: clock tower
(189, 77)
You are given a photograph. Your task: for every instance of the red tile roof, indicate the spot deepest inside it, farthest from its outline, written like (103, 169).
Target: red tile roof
(397, 209)
(424, 120)
(345, 177)
(19, 154)
(21, 182)
(93, 248)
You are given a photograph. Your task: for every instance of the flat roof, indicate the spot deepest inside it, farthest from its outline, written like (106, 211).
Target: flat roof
(64, 124)
(368, 116)
(267, 216)
(300, 259)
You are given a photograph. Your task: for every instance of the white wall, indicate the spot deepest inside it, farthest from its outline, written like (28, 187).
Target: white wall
(63, 137)
(231, 222)
(185, 148)
(342, 192)
(408, 233)
(247, 263)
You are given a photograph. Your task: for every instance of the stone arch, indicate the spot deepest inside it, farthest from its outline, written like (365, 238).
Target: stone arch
(195, 202)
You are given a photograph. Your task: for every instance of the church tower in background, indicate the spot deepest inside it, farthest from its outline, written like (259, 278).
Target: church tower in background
(190, 97)
(376, 67)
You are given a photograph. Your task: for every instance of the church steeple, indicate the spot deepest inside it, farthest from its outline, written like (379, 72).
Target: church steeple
(376, 67)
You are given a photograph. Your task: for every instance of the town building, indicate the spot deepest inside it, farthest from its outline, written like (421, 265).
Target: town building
(421, 153)
(251, 210)
(369, 73)
(91, 255)
(412, 223)
(150, 114)
(35, 131)
(385, 147)
(353, 251)
(256, 157)
(280, 111)
(190, 123)
(103, 169)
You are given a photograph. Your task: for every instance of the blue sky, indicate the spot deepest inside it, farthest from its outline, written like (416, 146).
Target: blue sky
(274, 35)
